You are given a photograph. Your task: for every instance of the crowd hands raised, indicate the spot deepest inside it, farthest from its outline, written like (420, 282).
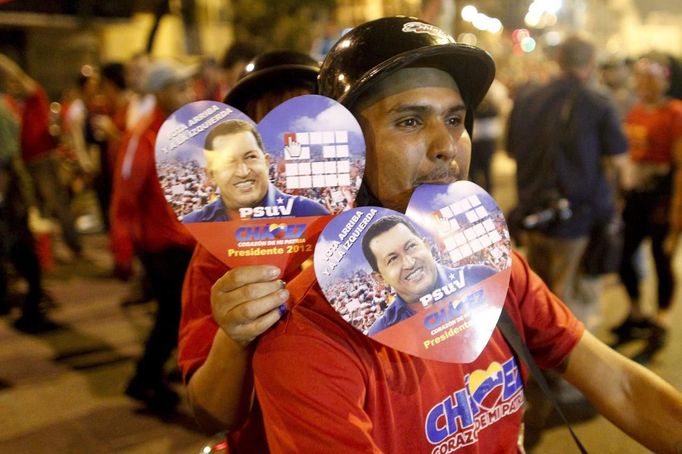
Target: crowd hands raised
(225, 311)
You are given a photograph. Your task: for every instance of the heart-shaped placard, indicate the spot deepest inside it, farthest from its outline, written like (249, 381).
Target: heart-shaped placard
(430, 283)
(260, 194)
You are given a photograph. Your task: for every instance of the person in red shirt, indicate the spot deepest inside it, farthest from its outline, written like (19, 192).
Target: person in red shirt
(324, 387)
(163, 244)
(652, 200)
(219, 343)
(38, 150)
(17, 244)
(109, 126)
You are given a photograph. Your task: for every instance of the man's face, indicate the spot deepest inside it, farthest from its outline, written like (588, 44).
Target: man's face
(240, 169)
(404, 262)
(136, 73)
(650, 81)
(414, 130)
(176, 95)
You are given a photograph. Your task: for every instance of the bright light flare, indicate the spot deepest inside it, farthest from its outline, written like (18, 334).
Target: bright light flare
(469, 13)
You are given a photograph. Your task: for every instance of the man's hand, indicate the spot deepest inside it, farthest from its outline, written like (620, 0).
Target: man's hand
(293, 149)
(245, 301)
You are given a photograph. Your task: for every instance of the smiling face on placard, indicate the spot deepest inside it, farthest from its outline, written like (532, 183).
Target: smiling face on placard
(402, 259)
(260, 194)
(236, 162)
(431, 282)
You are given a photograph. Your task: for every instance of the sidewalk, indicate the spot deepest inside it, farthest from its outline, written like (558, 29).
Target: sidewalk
(62, 391)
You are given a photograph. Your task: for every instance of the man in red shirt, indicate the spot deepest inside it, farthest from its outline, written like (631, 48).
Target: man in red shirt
(325, 387)
(38, 147)
(652, 194)
(162, 243)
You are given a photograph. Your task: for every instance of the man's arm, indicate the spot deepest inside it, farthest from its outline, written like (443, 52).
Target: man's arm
(635, 399)
(220, 391)
(244, 303)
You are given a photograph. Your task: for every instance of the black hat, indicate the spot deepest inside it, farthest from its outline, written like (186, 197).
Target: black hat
(376, 49)
(280, 68)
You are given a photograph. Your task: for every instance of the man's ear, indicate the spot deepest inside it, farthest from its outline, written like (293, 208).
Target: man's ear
(378, 277)
(267, 158)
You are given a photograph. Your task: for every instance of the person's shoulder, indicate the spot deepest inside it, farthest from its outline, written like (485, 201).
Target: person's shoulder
(307, 207)
(529, 90)
(206, 213)
(598, 96)
(196, 216)
(519, 265)
(519, 274)
(524, 283)
(379, 324)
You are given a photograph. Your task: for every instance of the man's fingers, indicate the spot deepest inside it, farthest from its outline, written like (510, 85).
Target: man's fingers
(253, 309)
(243, 275)
(247, 332)
(246, 294)
(247, 303)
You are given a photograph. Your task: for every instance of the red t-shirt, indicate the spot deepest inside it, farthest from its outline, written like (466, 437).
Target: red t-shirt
(197, 327)
(323, 385)
(652, 132)
(197, 330)
(36, 140)
(138, 206)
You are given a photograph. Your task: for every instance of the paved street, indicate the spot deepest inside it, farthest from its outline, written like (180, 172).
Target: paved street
(62, 391)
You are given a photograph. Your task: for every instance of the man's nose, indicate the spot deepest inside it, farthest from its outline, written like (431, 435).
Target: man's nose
(408, 261)
(442, 143)
(242, 169)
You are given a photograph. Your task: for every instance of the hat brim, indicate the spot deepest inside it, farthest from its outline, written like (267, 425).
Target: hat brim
(472, 68)
(256, 84)
(180, 74)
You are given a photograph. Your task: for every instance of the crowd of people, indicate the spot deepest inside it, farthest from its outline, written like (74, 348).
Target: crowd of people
(185, 185)
(606, 155)
(360, 299)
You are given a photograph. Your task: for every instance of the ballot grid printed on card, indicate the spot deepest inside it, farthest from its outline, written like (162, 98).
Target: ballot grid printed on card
(468, 227)
(303, 166)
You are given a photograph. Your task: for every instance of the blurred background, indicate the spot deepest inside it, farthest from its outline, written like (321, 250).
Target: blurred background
(53, 39)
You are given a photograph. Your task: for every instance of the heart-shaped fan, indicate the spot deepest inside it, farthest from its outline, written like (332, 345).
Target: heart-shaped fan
(431, 282)
(260, 194)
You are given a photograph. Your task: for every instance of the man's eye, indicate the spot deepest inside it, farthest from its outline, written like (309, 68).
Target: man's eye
(454, 121)
(409, 123)
(390, 260)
